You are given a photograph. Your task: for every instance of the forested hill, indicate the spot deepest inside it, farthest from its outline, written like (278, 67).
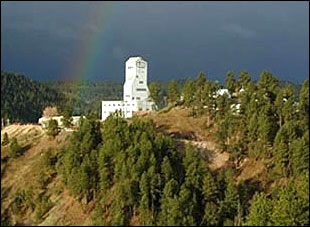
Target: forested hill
(23, 99)
(200, 161)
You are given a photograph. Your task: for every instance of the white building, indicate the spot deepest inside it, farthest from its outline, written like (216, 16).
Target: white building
(135, 93)
(45, 120)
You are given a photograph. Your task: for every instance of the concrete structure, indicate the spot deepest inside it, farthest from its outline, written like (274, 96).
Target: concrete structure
(44, 121)
(135, 93)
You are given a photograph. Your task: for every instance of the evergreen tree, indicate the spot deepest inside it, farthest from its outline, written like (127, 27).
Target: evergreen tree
(303, 106)
(243, 80)
(5, 140)
(230, 82)
(199, 94)
(289, 209)
(67, 117)
(173, 95)
(188, 92)
(155, 93)
(300, 154)
(52, 128)
(268, 86)
(15, 148)
(170, 214)
(260, 211)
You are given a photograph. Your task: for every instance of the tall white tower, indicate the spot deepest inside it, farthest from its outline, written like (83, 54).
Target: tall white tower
(136, 92)
(135, 87)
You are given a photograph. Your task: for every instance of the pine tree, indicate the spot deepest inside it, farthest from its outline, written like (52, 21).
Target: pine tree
(230, 82)
(15, 148)
(209, 188)
(173, 95)
(67, 117)
(210, 217)
(228, 207)
(170, 214)
(199, 94)
(303, 106)
(52, 128)
(289, 209)
(243, 80)
(5, 140)
(282, 146)
(300, 154)
(188, 92)
(166, 169)
(268, 86)
(260, 211)
(155, 91)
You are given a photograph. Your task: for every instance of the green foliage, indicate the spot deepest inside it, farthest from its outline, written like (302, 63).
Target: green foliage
(260, 211)
(289, 209)
(23, 200)
(230, 82)
(173, 95)
(67, 117)
(244, 80)
(49, 158)
(155, 93)
(188, 92)
(15, 149)
(5, 140)
(138, 174)
(52, 128)
(23, 100)
(43, 205)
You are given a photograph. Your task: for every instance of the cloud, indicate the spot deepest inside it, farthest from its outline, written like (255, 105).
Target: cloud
(236, 29)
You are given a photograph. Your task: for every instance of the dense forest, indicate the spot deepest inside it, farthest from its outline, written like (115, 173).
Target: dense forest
(23, 99)
(136, 175)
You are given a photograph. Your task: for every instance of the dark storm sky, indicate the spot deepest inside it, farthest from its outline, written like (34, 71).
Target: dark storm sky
(179, 39)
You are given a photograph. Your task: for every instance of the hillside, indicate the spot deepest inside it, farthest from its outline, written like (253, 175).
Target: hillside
(24, 174)
(198, 161)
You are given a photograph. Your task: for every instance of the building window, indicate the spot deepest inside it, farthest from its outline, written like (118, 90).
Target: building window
(130, 67)
(128, 104)
(140, 82)
(118, 104)
(141, 89)
(113, 104)
(138, 98)
(127, 95)
(133, 98)
(133, 104)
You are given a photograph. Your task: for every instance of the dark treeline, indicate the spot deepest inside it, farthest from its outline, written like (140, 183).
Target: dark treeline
(23, 99)
(81, 96)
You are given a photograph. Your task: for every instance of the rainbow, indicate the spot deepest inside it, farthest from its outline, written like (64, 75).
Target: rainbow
(85, 58)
